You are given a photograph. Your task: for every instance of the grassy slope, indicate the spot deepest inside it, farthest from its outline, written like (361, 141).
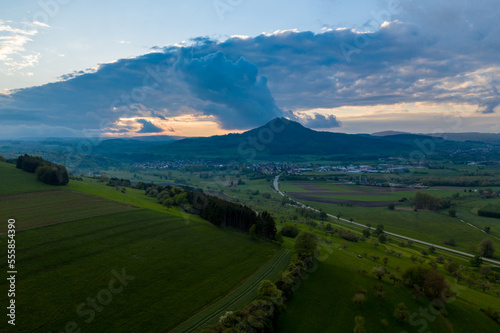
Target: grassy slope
(167, 252)
(468, 212)
(239, 297)
(13, 181)
(323, 302)
(62, 265)
(434, 227)
(48, 207)
(431, 227)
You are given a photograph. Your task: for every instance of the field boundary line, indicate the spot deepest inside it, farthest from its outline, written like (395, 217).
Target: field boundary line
(232, 298)
(476, 227)
(464, 254)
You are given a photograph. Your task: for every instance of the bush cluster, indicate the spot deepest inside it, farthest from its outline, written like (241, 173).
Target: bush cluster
(46, 172)
(290, 231)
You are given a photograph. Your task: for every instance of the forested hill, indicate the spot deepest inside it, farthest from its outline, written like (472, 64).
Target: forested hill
(284, 137)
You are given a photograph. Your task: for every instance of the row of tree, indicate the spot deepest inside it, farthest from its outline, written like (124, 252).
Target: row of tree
(261, 314)
(217, 211)
(461, 181)
(489, 211)
(430, 201)
(46, 172)
(119, 182)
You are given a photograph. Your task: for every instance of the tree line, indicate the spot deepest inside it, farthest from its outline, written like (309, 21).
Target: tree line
(475, 181)
(261, 315)
(430, 201)
(489, 211)
(46, 172)
(215, 210)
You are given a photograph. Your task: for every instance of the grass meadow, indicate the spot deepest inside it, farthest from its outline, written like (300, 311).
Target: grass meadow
(40, 208)
(323, 301)
(179, 262)
(433, 227)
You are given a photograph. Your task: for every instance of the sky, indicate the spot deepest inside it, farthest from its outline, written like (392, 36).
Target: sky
(73, 68)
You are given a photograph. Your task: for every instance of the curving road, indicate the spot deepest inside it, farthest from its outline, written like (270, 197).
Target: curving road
(276, 186)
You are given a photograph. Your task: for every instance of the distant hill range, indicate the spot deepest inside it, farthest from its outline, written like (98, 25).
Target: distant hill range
(279, 138)
(282, 138)
(492, 138)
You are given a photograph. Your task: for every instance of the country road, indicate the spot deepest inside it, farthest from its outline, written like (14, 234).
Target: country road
(276, 186)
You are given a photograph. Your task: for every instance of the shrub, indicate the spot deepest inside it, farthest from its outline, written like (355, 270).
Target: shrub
(415, 276)
(379, 272)
(430, 282)
(450, 242)
(359, 298)
(290, 231)
(348, 235)
(487, 249)
(452, 212)
(359, 324)
(428, 201)
(306, 244)
(52, 174)
(435, 285)
(401, 313)
(489, 211)
(476, 261)
(29, 163)
(46, 172)
(382, 238)
(451, 267)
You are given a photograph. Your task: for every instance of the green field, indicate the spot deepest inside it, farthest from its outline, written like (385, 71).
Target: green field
(47, 207)
(13, 181)
(244, 294)
(434, 227)
(468, 212)
(186, 272)
(427, 226)
(61, 265)
(323, 302)
(395, 196)
(180, 263)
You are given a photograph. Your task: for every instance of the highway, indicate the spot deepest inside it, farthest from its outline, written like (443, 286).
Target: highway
(276, 187)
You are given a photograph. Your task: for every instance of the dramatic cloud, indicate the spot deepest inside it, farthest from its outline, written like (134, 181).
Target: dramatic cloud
(321, 121)
(437, 52)
(236, 96)
(148, 127)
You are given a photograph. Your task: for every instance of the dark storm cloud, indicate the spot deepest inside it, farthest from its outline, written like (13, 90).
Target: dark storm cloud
(148, 127)
(431, 51)
(237, 97)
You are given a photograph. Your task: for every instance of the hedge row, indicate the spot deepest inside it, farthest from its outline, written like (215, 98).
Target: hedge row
(262, 314)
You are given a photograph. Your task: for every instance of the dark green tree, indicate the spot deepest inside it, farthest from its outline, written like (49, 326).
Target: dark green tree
(382, 238)
(306, 244)
(487, 249)
(476, 261)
